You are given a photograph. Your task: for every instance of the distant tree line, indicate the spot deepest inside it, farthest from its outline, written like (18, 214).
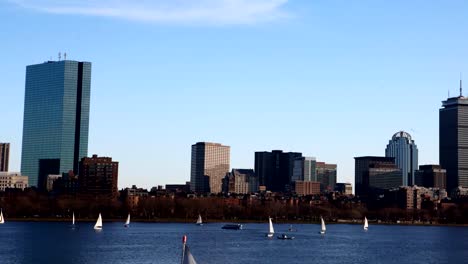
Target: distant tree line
(38, 205)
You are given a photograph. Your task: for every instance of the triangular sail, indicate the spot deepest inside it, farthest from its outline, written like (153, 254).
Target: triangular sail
(188, 257)
(73, 219)
(98, 224)
(323, 225)
(2, 220)
(271, 230)
(128, 220)
(366, 224)
(199, 220)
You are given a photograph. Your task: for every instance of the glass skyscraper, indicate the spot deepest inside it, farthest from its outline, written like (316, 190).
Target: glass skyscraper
(404, 150)
(56, 118)
(210, 164)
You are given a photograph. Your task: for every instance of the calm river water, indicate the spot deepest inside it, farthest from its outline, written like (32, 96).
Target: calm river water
(24, 242)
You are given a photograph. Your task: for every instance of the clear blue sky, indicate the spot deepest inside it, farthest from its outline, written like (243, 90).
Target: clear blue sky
(331, 79)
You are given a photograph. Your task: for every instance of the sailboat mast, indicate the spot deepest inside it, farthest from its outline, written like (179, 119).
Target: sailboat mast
(184, 241)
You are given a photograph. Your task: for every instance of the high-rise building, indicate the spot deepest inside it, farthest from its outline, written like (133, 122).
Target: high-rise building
(453, 140)
(99, 176)
(56, 119)
(210, 163)
(305, 169)
(431, 176)
(404, 150)
(275, 169)
(375, 173)
(326, 175)
(4, 156)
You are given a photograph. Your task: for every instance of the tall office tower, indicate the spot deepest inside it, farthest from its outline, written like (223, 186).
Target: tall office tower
(56, 119)
(453, 140)
(99, 176)
(374, 174)
(275, 169)
(4, 156)
(210, 163)
(404, 150)
(326, 175)
(304, 169)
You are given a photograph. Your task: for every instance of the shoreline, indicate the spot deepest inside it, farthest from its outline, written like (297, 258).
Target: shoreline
(186, 221)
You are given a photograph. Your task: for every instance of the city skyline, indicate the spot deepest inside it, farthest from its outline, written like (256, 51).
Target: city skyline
(176, 87)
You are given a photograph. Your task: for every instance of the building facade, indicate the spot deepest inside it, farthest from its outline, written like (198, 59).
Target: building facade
(56, 119)
(99, 176)
(241, 181)
(453, 140)
(305, 169)
(326, 175)
(210, 163)
(13, 180)
(404, 150)
(275, 169)
(375, 173)
(303, 188)
(4, 156)
(431, 176)
(344, 188)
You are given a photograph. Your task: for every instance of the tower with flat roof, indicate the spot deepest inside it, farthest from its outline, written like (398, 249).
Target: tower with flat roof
(210, 164)
(56, 119)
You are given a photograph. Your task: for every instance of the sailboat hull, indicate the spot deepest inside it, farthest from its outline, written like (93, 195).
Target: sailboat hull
(270, 235)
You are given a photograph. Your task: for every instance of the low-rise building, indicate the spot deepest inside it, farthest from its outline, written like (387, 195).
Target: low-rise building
(303, 188)
(134, 195)
(240, 181)
(13, 180)
(344, 188)
(51, 178)
(431, 176)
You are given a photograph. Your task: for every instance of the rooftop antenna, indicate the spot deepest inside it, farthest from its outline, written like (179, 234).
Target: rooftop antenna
(59, 56)
(65, 56)
(461, 87)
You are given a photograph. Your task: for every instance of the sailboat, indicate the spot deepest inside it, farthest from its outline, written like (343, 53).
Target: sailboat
(366, 224)
(2, 220)
(127, 223)
(187, 257)
(199, 220)
(73, 220)
(323, 228)
(98, 225)
(271, 231)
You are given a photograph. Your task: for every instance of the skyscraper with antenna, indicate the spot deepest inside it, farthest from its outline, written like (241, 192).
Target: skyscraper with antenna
(453, 139)
(56, 118)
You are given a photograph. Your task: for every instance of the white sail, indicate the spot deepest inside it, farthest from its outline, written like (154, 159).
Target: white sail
(98, 224)
(366, 224)
(73, 219)
(199, 220)
(271, 230)
(128, 220)
(323, 229)
(187, 257)
(2, 220)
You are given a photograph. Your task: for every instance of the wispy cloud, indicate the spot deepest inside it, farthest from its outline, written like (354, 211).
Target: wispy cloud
(167, 11)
